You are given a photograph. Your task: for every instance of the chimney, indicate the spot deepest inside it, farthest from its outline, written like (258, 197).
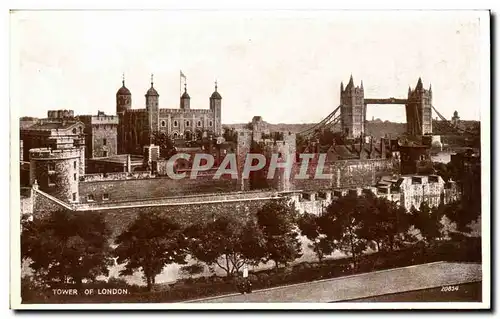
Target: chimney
(371, 146)
(382, 147)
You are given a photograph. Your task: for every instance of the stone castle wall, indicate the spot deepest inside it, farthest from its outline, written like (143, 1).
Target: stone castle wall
(135, 189)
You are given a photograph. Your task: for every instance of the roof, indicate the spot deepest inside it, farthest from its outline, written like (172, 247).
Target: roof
(53, 125)
(120, 158)
(152, 91)
(216, 96)
(123, 90)
(185, 95)
(342, 151)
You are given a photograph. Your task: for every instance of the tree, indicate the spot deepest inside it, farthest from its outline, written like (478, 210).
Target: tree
(428, 221)
(66, 247)
(277, 222)
(309, 227)
(227, 243)
(463, 212)
(150, 243)
(384, 223)
(167, 147)
(230, 134)
(342, 224)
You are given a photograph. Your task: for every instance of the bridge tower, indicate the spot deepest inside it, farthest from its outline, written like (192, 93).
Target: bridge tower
(352, 109)
(419, 110)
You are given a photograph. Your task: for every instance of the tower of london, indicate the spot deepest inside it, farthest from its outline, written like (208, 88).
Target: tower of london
(137, 126)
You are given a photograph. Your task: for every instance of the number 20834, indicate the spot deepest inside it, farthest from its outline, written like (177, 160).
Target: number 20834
(449, 288)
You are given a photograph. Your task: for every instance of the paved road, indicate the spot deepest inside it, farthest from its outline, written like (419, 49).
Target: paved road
(364, 285)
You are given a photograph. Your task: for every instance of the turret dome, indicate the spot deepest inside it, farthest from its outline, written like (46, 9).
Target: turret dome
(216, 95)
(152, 92)
(123, 90)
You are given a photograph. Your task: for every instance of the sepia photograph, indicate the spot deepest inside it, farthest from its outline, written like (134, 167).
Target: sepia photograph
(218, 159)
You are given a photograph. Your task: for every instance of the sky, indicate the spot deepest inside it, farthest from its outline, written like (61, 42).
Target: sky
(285, 66)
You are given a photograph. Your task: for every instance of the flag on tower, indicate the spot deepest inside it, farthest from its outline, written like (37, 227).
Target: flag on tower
(183, 76)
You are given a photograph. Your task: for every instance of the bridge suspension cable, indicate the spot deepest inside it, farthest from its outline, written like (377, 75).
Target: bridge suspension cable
(330, 118)
(450, 125)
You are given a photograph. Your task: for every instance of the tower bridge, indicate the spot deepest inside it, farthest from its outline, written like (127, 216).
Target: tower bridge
(351, 113)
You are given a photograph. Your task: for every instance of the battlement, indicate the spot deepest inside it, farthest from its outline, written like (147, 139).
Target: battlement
(50, 154)
(195, 111)
(104, 119)
(116, 176)
(136, 111)
(59, 114)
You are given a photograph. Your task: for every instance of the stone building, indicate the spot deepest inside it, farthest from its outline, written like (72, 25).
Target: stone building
(60, 127)
(353, 109)
(455, 120)
(100, 134)
(137, 126)
(468, 164)
(419, 110)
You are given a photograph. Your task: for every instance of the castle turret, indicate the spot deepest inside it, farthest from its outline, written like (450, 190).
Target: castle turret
(455, 119)
(185, 99)
(123, 104)
(56, 172)
(152, 108)
(123, 98)
(216, 108)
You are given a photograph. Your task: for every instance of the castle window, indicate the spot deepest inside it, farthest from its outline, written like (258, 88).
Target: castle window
(90, 198)
(199, 123)
(74, 165)
(74, 176)
(74, 130)
(74, 197)
(176, 124)
(210, 123)
(81, 130)
(163, 123)
(104, 141)
(175, 135)
(51, 167)
(187, 123)
(105, 196)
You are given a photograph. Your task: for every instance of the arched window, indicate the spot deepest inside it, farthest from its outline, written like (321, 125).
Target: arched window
(175, 135)
(74, 130)
(187, 123)
(210, 123)
(163, 123)
(176, 124)
(199, 123)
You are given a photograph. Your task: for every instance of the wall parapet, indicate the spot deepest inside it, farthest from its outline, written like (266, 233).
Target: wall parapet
(47, 153)
(182, 200)
(116, 176)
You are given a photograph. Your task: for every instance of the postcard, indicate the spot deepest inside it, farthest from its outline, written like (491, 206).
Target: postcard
(217, 159)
